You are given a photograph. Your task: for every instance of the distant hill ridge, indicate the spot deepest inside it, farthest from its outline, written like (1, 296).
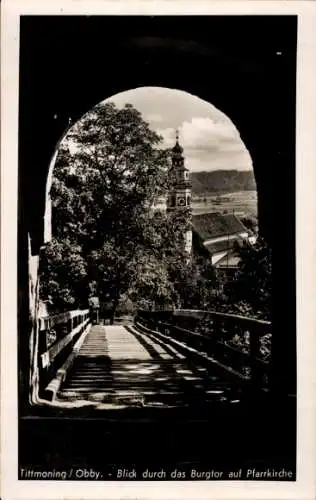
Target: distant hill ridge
(222, 181)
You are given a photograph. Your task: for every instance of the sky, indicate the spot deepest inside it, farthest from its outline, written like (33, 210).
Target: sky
(209, 138)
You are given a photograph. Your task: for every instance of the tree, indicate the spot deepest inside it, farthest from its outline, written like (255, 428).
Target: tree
(114, 173)
(151, 287)
(109, 171)
(252, 288)
(64, 278)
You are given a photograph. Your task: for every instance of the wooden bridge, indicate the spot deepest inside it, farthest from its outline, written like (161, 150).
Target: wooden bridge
(159, 360)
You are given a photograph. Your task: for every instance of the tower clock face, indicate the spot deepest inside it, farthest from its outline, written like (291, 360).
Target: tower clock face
(181, 201)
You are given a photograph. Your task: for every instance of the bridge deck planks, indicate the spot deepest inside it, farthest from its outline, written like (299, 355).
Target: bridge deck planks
(120, 366)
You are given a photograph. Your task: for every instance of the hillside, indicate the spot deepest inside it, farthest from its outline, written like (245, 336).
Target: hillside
(222, 181)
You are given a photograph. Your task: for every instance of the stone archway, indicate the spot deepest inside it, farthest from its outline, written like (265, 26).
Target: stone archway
(68, 65)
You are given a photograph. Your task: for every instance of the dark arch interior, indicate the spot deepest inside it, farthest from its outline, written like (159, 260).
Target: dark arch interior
(245, 66)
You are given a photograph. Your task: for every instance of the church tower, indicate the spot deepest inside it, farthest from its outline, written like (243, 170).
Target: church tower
(179, 195)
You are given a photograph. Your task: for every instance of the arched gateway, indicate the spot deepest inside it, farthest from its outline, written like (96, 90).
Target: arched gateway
(67, 65)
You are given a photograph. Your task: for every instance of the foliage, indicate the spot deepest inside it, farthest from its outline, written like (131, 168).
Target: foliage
(242, 342)
(108, 173)
(112, 175)
(251, 291)
(199, 284)
(64, 278)
(151, 287)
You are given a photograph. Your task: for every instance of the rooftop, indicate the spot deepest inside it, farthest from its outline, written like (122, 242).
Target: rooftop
(214, 224)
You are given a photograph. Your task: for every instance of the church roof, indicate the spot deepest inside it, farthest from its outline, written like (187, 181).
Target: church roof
(214, 224)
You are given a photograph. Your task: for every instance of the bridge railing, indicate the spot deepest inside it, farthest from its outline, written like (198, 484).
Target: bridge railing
(58, 336)
(238, 345)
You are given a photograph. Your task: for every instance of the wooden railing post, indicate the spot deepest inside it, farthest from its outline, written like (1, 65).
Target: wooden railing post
(43, 327)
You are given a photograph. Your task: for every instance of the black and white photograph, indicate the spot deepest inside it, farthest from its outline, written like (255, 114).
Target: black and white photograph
(156, 248)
